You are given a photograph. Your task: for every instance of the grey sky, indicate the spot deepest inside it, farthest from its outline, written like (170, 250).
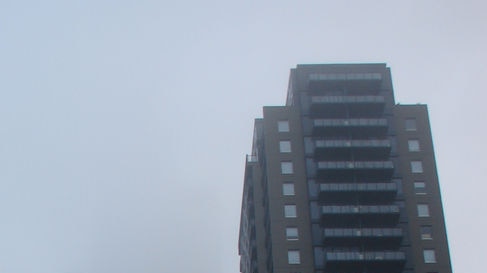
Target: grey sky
(124, 124)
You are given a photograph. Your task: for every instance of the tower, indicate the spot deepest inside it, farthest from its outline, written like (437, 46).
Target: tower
(342, 180)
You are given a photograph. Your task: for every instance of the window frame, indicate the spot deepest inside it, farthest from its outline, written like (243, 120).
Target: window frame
(290, 211)
(288, 189)
(411, 124)
(283, 126)
(287, 167)
(416, 166)
(423, 210)
(293, 256)
(426, 232)
(429, 256)
(414, 145)
(285, 146)
(419, 190)
(292, 233)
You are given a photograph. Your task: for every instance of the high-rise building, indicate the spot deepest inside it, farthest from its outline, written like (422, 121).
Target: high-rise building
(342, 180)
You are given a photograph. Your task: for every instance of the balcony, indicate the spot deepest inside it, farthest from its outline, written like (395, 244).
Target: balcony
(384, 237)
(363, 210)
(356, 127)
(358, 169)
(345, 76)
(358, 187)
(353, 82)
(347, 99)
(363, 192)
(369, 261)
(252, 159)
(366, 143)
(355, 105)
(366, 215)
(366, 148)
(359, 122)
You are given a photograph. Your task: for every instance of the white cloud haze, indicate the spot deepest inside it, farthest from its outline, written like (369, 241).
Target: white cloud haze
(124, 124)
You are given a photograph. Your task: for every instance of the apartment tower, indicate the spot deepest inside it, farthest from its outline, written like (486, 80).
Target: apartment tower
(342, 180)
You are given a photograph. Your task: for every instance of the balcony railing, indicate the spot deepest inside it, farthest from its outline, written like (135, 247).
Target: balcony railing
(359, 187)
(347, 99)
(358, 210)
(373, 143)
(365, 256)
(362, 232)
(252, 158)
(358, 122)
(345, 76)
(354, 165)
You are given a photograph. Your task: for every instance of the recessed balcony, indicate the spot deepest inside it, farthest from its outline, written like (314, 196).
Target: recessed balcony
(355, 105)
(357, 143)
(363, 192)
(344, 76)
(359, 122)
(361, 148)
(366, 169)
(368, 261)
(336, 188)
(346, 99)
(356, 127)
(355, 165)
(366, 215)
(352, 82)
(385, 237)
(360, 210)
(252, 159)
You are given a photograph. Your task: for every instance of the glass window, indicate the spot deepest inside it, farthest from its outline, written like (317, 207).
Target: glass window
(413, 145)
(410, 124)
(293, 257)
(288, 189)
(423, 210)
(285, 146)
(283, 126)
(419, 187)
(429, 256)
(416, 167)
(287, 167)
(292, 233)
(290, 211)
(426, 232)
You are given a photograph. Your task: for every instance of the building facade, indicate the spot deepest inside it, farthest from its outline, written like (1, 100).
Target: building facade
(341, 179)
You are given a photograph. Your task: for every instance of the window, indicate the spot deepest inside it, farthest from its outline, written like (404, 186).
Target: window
(287, 167)
(283, 126)
(410, 124)
(292, 233)
(423, 210)
(429, 256)
(419, 187)
(426, 232)
(288, 189)
(293, 257)
(416, 167)
(413, 145)
(290, 211)
(285, 146)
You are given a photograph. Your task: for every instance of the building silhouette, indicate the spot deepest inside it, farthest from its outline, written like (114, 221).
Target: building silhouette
(342, 180)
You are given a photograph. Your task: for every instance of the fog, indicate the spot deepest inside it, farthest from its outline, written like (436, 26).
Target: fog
(124, 124)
